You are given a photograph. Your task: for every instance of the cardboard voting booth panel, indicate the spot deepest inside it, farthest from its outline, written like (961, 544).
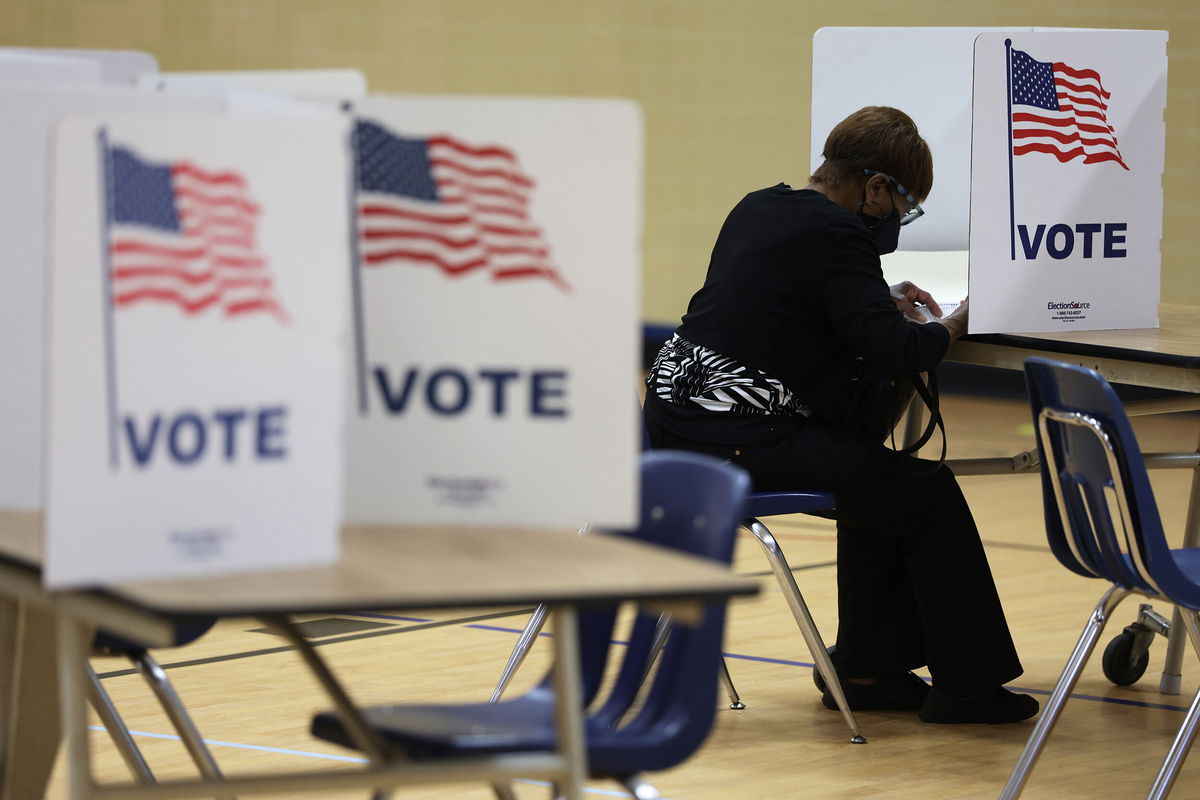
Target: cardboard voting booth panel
(323, 84)
(498, 312)
(118, 67)
(933, 86)
(27, 67)
(1063, 278)
(198, 309)
(30, 113)
(1066, 193)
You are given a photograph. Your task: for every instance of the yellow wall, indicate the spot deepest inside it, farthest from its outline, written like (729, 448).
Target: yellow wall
(724, 84)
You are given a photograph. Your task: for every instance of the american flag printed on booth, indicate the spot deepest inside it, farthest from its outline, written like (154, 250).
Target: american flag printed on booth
(185, 236)
(444, 203)
(1061, 111)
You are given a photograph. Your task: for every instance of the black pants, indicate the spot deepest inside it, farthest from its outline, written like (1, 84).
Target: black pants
(914, 586)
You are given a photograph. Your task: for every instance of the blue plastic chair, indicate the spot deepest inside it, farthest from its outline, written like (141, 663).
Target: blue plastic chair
(690, 503)
(1102, 522)
(758, 505)
(537, 621)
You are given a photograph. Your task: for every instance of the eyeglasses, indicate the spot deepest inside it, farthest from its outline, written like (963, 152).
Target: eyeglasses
(914, 213)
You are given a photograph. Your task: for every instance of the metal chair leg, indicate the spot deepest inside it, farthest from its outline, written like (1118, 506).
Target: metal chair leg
(537, 620)
(1062, 690)
(661, 630)
(804, 619)
(1178, 752)
(117, 730)
(735, 700)
(533, 627)
(156, 678)
(1187, 731)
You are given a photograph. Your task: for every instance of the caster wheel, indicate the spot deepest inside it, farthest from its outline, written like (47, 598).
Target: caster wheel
(1122, 664)
(816, 673)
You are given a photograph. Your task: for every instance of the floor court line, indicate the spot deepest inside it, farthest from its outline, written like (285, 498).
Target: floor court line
(498, 629)
(267, 651)
(424, 625)
(808, 665)
(325, 756)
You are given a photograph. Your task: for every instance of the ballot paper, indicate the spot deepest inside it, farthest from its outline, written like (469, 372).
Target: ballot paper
(942, 273)
(946, 308)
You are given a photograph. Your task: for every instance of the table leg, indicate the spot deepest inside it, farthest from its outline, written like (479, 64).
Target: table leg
(1172, 674)
(73, 640)
(568, 691)
(10, 614)
(363, 735)
(29, 683)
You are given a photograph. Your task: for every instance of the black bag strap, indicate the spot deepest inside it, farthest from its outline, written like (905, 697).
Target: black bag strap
(929, 396)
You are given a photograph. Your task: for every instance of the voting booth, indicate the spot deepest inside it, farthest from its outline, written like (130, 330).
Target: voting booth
(198, 288)
(234, 321)
(30, 111)
(38, 87)
(114, 67)
(174, 312)
(496, 349)
(1048, 149)
(304, 84)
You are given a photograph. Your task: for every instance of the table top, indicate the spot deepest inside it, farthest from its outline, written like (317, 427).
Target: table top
(423, 567)
(1167, 357)
(1176, 340)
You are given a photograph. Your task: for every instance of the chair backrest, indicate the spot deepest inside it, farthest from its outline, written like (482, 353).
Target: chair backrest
(1101, 517)
(690, 503)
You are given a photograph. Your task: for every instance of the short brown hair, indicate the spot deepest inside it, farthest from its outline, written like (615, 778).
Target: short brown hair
(879, 138)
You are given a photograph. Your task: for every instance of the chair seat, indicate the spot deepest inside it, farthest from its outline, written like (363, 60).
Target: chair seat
(427, 731)
(1187, 559)
(525, 724)
(769, 504)
(690, 503)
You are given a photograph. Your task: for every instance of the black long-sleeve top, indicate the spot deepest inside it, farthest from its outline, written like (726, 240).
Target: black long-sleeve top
(795, 289)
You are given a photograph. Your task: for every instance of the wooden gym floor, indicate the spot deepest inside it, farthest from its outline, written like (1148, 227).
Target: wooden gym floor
(252, 699)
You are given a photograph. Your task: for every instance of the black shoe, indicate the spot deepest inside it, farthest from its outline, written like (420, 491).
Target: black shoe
(998, 707)
(905, 692)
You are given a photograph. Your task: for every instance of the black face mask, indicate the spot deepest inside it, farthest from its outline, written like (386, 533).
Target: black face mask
(885, 229)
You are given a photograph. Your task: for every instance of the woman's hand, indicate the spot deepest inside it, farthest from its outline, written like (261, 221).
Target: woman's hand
(956, 323)
(907, 294)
